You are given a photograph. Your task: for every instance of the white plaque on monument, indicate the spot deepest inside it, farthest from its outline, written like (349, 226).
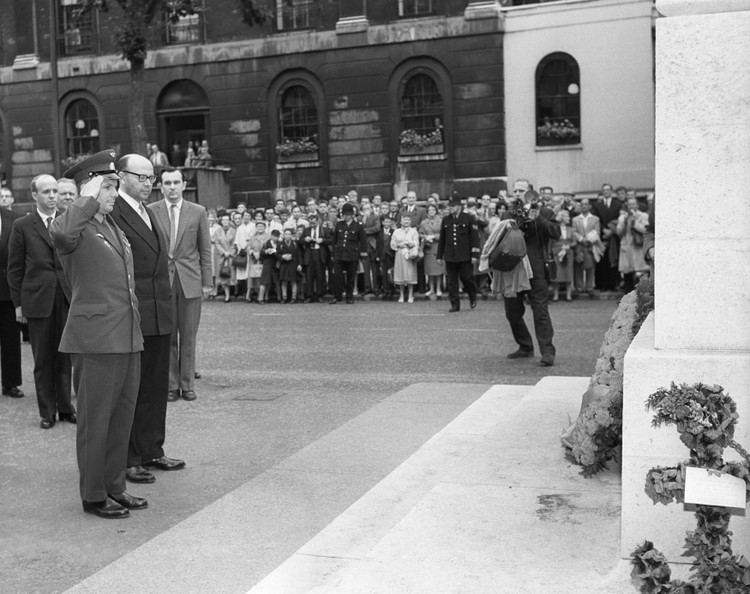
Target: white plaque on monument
(711, 487)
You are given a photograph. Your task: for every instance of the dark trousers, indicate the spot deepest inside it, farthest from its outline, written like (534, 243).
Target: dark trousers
(315, 276)
(150, 418)
(464, 271)
(385, 265)
(52, 369)
(607, 275)
(107, 388)
(341, 268)
(10, 346)
(514, 310)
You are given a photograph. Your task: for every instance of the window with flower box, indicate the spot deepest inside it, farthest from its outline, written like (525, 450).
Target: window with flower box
(78, 30)
(417, 8)
(558, 101)
(298, 125)
(183, 26)
(81, 129)
(293, 15)
(421, 117)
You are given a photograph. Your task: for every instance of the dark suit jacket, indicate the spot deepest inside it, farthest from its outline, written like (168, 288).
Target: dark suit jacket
(34, 269)
(324, 232)
(98, 265)
(7, 217)
(150, 266)
(606, 214)
(192, 255)
(417, 216)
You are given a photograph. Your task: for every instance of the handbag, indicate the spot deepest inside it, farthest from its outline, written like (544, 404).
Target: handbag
(240, 260)
(256, 270)
(226, 270)
(637, 237)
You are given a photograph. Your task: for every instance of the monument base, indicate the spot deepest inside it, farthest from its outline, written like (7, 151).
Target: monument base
(644, 447)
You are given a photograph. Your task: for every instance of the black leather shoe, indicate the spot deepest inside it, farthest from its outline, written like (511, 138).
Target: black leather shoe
(520, 354)
(334, 301)
(173, 396)
(454, 308)
(47, 423)
(189, 395)
(165, 463)
(547, 361)
(108, 509)
(129, 501)
(308, 300)
(350, 301)
(197, 375)
(12, 392)
(69, 418)
(138, 474)
(473, 303)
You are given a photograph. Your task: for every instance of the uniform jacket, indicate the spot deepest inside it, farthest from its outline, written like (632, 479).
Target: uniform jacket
(150, 266)
(349, 241)
(34, 269)
(98, 265)
(307, 251)
(459, 239)
(7, 216)
(192, 253)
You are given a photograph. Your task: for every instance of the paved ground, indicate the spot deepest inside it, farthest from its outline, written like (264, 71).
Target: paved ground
(276, 378)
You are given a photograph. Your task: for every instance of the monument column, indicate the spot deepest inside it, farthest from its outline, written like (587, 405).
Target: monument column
(700, 330)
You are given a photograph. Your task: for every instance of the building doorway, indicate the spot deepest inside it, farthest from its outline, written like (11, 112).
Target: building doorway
(183, 114)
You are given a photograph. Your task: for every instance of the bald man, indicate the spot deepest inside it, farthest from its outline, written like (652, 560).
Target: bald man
(38, 290)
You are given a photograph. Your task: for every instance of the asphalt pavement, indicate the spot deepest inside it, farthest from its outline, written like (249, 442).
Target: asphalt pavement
(276, 378)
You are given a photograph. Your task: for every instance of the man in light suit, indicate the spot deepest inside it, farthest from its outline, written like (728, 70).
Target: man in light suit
(149, 247)
(189, 263)
(37, 287)
(586, 228)
(103, 333)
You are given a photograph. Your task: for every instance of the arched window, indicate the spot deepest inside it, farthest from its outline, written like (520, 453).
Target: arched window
(421, 115)
(298, 122)
(81, 128)
(558, 101)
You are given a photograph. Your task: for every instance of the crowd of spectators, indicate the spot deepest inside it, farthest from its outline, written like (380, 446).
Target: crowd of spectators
(259, 254)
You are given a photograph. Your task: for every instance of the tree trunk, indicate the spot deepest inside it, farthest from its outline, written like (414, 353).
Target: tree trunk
(136, 116)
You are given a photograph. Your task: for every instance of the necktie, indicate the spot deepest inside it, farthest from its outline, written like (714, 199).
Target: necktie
(144, 214)
(49, 222)
(172, 229)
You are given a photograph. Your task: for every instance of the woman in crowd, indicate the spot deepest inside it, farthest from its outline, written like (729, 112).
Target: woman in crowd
(224, 245)
(213, 225)
(631, 227)
(563, 253)
(190, 159)
(429, 233)
(243, 232)
(405, 244)
(254, 264)
(287, 256)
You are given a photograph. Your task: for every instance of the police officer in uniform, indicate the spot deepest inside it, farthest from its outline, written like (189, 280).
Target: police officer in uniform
(458, 246)
(103, 335)
(349, 244)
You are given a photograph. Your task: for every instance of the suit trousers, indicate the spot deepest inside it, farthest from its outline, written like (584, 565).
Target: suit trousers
(514, 310)
(315, 288)
(464, 271)
(187, 316)
(107, 387)
(579, 272)
(341, 267)
(150, 418)
(10, 346)
(52, 369)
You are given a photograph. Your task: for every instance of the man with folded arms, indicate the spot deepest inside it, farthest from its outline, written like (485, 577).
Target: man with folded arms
(103, 334)
(149, 247)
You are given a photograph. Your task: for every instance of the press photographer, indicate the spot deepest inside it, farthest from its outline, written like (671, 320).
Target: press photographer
(539, 228)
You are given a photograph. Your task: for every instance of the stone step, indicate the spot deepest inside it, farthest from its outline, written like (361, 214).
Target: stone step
(230, 545)
(489, 504)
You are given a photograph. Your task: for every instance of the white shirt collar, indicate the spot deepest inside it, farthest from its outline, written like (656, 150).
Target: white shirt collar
(134, 204)
(178, 204)
(44, 216)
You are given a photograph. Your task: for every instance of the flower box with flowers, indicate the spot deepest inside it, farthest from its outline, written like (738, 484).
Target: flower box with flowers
(414, 143)
(298, 150)
(558, 132)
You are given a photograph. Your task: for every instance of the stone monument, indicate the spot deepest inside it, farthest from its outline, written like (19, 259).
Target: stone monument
(700, 330)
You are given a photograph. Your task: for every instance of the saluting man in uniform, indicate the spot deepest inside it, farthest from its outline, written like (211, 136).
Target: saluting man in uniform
(458, 246)
(103, 335)
(349, 245)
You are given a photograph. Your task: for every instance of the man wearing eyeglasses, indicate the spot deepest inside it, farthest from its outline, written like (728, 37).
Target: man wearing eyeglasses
(149, 247)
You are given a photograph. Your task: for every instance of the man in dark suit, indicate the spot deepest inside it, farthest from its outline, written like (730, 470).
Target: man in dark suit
(103, 333)
(458, 245)
(415, 213)
(189, 264)
(314, 242)
(37, 287)
(10, 336)
(349, 244)
(149, 247)
(607, 208)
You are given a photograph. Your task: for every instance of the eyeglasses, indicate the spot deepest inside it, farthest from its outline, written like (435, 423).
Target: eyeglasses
(141, 177)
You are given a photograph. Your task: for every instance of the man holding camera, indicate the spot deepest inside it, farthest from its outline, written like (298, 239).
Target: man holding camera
(539, 228)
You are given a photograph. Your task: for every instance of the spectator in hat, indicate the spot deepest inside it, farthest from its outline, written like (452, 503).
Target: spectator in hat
(102, 333)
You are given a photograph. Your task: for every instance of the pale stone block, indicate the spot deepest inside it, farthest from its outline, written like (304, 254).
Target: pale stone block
(644, 447)
(702, 294)
(694, 7)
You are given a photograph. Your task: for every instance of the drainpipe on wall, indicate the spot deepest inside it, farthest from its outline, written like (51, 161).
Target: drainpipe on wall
(54, 90)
